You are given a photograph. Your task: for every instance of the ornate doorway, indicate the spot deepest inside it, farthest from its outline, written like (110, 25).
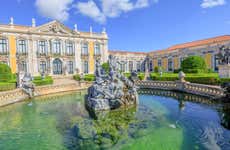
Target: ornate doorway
(57, 66)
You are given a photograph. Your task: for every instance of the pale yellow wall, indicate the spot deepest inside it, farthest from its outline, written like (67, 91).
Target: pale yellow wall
(91, 57)
(176, 62)
(208, 60)
(12, 49)
(165, 63)
(155, 63)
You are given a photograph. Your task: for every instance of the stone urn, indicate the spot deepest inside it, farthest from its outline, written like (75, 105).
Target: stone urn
(181, 76)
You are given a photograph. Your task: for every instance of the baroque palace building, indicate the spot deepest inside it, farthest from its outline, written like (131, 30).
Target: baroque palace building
(170, 59)
(51, 48)
(55, 49)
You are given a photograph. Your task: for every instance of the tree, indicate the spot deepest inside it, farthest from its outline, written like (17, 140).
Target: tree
(194, 64)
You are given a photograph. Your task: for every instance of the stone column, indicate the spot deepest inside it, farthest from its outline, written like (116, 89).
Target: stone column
(77, 57)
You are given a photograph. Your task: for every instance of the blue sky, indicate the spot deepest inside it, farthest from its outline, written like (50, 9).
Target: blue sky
(133, 25)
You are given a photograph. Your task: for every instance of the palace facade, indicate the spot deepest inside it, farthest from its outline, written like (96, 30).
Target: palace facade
(55, 49)
(170, 59)
(51, 48)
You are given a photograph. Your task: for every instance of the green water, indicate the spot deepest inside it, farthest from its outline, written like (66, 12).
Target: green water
(159, 123)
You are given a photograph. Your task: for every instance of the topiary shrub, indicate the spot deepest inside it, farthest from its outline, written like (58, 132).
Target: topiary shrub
(38, 81)
(89, 77)
(141, 76)
(77, 77)
(5, 73)
(156, 69)
(194, 64)
(4, 86)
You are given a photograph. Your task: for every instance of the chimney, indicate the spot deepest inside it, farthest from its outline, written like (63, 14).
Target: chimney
(103, 31)
(33, 22)
(75, 27)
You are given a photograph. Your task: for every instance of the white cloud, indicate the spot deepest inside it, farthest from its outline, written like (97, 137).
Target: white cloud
(110, 8)
(212, 3)
(54, 9)
(91, 10)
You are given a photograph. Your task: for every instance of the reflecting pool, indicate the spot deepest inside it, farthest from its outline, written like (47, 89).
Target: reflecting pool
(163, 121)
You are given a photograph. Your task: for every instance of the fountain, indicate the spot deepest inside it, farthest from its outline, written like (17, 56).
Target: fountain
(112, 90)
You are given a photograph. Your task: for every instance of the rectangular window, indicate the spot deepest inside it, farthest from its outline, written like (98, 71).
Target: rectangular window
(3, 46)
(170, 64)
(85, 67)
(69, 48)
(22, 46)
(23, 66)
(216, 63)
(130, 66)
(84, 49)
(138, 66)
(122, 66)
(57, 47)
(150, 66)
(42, 47)
(159, 63)
(97, 50)
(70, 67)
(42, 66)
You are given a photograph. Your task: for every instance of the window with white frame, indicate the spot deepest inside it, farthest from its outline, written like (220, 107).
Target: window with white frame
(97, 50)
(57, 47)
(170, 64)
(3, 46)
(159, 63)
(22, 47)
(42, 47)
(85, 67)
(69, 48)
(70, 67)
(84, 48)
(130, 66)
(138, 64)
(23, 66)
(42, 66)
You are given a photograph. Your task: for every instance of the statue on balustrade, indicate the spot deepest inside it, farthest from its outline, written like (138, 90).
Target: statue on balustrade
(224, 55)
(112, 90)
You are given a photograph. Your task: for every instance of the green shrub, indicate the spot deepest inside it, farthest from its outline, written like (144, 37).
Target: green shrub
(156, 69)
(89, 77)
(141, 76)
(77, 77)
(38, 81)
(203, 80)
(194, 64)
(224, 80)
(127, 75)
(176, 70)
(5, 73)
(4, 86)
(105, 66)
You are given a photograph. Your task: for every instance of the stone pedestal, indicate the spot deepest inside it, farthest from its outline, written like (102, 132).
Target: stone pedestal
(224, 71)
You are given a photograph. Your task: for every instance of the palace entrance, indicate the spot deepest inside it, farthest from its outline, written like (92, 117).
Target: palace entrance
(57, 66)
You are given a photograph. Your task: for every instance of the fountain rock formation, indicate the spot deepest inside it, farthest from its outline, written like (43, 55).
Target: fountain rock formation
(111, 91)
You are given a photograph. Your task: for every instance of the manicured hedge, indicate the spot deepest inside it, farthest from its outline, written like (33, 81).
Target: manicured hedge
(38, 81)
(5, 73)
(89, 77)
(77, 77)
(141, 76)
(4, 86)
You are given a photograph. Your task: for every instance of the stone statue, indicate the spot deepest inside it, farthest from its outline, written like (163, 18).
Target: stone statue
(27, 84)
(112, 90)
(224, 55)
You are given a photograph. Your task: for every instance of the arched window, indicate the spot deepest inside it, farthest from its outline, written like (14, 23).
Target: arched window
(3, 46)
(97, 50)
(84, 48)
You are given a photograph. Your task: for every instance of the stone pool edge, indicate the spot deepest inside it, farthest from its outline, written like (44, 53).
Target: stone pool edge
(17, 95)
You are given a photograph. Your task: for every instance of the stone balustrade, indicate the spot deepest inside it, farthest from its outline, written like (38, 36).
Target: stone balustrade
(192, 88)
(17, 95)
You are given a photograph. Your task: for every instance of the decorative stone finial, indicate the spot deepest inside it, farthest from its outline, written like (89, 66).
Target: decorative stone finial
(104, 30)
(33, 22)
(181, 76)
(91, 30)
(11, 21)
(75, 27)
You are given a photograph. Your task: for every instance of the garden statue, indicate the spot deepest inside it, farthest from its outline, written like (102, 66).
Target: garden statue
(112, 90)
(27, 84)
(224, 62)
(181, 76)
